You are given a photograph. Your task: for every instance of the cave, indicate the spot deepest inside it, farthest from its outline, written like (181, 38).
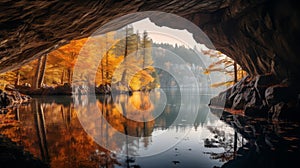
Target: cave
(262, 36)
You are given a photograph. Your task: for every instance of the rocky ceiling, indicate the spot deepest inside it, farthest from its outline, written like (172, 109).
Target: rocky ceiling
(261, 35)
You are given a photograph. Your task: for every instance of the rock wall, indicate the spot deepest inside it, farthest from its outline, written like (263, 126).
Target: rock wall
(262, 96)
(261, 35)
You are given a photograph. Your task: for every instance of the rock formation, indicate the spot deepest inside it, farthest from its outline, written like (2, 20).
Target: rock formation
(262, 96)
(11, 97)
(262, 35)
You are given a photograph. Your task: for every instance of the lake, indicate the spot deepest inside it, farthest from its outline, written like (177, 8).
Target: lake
(152, 129)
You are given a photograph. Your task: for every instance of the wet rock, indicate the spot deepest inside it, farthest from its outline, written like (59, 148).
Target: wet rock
(65, 89)
(4, 99)
(103, 89)
(277, 110)
(256, 106)
(222, 99)
(261, 97)
(278, 93)
(175, 162)
(11, 97)
(10, 87)
(265, 80)
(262, 82)
(238, 102)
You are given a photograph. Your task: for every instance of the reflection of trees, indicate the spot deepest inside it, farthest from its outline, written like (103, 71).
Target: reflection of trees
(138, 107)
(268, 144)
(58, 130)
(39, 119)
(59, 139)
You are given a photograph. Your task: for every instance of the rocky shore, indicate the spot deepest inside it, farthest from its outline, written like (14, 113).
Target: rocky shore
(261, 96)
(65, 89)
(11, 96)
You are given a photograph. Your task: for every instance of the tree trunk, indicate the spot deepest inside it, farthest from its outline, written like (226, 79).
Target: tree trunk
(17, 82)
(39, 119)
(102, 73)
(62, 77)
(42, 72)
(144, 49)
(35, 84)
(123, 79)
(126, 42)
(106, 66)
(235, 72)
(70, 73)
(137, 44)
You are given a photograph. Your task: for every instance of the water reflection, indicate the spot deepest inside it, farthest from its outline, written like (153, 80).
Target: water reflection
(50, 129)
(269, 143)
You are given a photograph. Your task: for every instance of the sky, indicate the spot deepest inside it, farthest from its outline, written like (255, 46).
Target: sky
(164, 34)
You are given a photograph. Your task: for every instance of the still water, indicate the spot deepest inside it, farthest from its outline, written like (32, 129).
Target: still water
(153, 129)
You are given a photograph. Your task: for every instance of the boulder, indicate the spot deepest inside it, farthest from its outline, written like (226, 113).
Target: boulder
(4, 99)
(66, 89)
(277, 110)
(10, 87)
(103, 89)
(279, 93)
(261, 97)
(10, 98)
(239, 102)
(262, 82)
(222, 100)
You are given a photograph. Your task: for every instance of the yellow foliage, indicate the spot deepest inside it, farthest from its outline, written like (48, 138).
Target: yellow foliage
(103, 55)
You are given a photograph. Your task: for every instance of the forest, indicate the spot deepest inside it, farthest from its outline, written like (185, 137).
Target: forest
(52, 74)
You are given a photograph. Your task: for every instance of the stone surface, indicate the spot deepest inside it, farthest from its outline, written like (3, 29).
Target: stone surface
(11, 96)
(279, 101)
(261, 35)
(278, 93)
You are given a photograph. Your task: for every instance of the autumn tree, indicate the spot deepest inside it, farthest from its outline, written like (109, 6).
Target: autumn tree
(225, 65)
(123, 55)
(64, 59)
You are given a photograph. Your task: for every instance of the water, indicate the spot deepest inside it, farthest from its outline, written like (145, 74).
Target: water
(142, 130)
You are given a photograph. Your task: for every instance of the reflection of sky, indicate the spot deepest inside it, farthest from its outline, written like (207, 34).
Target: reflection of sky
(190, 150)
(164, 34)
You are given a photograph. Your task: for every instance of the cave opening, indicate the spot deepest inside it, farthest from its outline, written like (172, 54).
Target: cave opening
(88, 85)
